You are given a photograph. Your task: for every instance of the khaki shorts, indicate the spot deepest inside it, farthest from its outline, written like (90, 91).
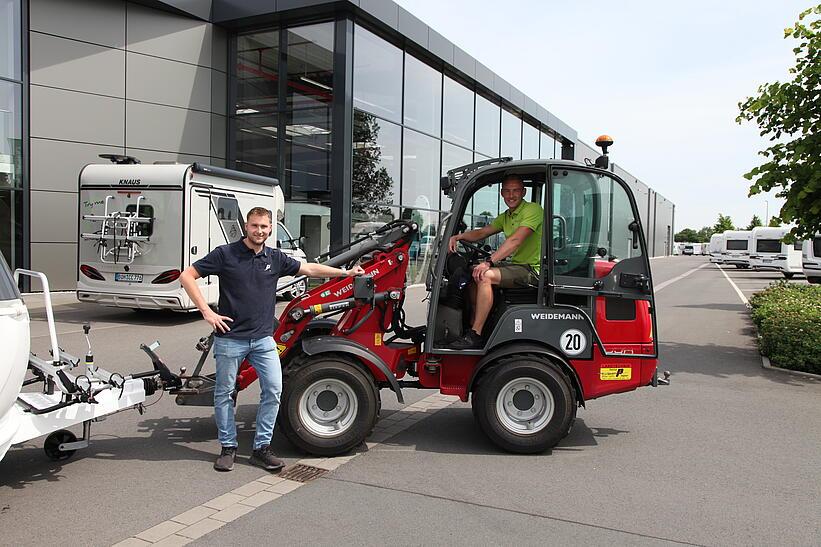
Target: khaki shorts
(517, 276)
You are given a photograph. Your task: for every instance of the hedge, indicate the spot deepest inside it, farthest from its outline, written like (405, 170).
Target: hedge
(788, 317)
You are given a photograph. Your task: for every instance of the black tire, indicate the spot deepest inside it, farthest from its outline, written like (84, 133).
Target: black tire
(788, 275)
(300, 419)
(52, 445)
(814, 280)
(546, 378)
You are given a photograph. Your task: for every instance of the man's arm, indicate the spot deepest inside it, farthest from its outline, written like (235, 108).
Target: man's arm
(472, 236)
(188, 280)
(507, 248)
(312, 269)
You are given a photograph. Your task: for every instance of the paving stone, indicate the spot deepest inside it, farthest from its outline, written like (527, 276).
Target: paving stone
(270, 479)
(250, 489)
(160, 531)
(221, 502)
(284, 487)
(261, 498)
(205, 526)
(193, 515)
(174, 540)
(232, 513)
(131, 542)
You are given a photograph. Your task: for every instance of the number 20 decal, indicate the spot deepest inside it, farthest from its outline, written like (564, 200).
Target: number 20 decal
(573, 342)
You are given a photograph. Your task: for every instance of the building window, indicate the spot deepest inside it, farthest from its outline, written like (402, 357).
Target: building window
(423, 96)
(457, 116)
(420, 171)
(487, 127)
(310, 65)
(511, 135)
(377, 81)
(11, 135)
(530, 142)
(10, 23)
(377, 159)
(11, 226)
(546, 146)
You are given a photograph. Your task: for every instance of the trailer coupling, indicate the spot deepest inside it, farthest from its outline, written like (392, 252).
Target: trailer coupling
(660, 381)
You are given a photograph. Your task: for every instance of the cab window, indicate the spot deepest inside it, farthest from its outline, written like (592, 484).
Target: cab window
(284, 239)
(230, 218)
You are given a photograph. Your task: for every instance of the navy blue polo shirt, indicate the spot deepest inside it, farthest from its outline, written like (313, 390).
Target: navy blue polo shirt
(248, 286)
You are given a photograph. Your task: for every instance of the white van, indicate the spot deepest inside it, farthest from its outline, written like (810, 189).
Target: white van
(716, 248)
(736, 248)
(14, 339)
(769, 252)
(141, 225)
(812, 259)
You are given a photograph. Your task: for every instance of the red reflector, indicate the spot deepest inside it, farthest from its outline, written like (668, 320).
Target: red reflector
(167, 277)
(88, 271)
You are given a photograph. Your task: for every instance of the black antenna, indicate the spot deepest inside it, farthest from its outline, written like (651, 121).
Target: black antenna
(119, 159)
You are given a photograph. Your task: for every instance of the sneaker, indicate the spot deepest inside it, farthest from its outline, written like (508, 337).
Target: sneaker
(225, 461)
(471, 340)
(264, 458)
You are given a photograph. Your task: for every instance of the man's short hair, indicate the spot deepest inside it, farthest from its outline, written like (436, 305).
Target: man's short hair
(259, 212)
(514, 176)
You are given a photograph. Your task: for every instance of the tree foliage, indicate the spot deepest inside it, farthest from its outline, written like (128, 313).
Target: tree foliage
(705, 234)
(755, 222)
(789, 114)
(775, 222)
(372, 185)
(723, 224)
(687, 235)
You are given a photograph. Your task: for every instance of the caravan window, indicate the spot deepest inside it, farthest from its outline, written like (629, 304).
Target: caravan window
(798, 245)
(739, 245)
(145, 211)
(816, 246)
(230, 218)
(767, 246)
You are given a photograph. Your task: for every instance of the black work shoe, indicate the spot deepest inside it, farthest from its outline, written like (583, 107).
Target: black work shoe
(471, 340)
(225, 462)
(264, 458)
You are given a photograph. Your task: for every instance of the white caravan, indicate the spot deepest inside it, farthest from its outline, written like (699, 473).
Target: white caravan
(716, 248)
(812, 259)
(769, 252)
(736, 248)
(14, 339)
(141, 225)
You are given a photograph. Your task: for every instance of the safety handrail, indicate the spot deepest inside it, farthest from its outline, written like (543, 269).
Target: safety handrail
(52, 329)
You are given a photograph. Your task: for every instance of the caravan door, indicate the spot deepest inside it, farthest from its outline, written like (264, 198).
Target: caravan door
(199, 231)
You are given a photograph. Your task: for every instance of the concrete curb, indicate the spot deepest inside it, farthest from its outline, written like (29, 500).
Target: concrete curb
(765, 363)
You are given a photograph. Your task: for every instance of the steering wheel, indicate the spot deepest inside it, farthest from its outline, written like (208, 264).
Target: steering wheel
(478, 250)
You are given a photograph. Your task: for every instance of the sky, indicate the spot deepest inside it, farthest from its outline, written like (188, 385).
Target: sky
(663, 78)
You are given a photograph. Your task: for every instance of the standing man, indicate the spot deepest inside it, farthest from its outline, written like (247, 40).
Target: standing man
(522, 226)
(248, 272)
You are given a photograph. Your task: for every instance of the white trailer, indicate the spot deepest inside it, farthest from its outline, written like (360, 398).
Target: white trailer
(769, 252)
(812, 259)
(736, 248)
(716, 248)
(141, 225)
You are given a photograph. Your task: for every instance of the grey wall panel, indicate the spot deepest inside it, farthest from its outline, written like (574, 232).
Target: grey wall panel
(168, 36)
(73, 116)
(58, 261)
(464, 62)
(219, 128)
(53, 217)
(228, 10)
(151, 156)
(218, 162)
(484, 75)
(413, 28)
(219, 49)
(387, 12)
(68, 64)
(440, 46)
(56, 165)
(517, 98)
(219, 92)
(197, 8)
(168, 82)
(157, 127)
(98, 21)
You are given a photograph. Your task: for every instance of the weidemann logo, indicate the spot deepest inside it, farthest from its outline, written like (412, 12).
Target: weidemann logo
(129, 182)
(557, 316)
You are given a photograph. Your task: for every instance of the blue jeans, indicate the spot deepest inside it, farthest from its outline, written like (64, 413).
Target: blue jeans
(262, 354)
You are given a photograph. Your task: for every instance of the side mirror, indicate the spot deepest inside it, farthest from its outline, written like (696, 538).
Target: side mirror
(301, 240)
(279, 244)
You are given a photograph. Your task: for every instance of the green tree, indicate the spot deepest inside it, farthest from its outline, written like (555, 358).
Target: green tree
(723, 224)
(790, 115)
(755, 222)
(705, 234)
(775, 222)
(687, 235)
(372, 185)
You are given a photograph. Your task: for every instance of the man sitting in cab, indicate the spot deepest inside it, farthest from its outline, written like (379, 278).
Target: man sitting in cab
(522, 226)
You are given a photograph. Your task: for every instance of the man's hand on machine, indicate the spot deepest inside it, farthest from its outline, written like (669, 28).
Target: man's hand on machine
(217, 321)
(453, 241)
(356, 270)
(480, 270)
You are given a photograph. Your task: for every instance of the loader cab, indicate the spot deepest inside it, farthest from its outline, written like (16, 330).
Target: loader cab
(593, 260)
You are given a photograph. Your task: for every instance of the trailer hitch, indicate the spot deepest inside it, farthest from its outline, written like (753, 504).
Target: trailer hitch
(661, 381)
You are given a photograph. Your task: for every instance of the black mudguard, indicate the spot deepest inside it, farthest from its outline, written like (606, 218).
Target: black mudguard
(323, 344)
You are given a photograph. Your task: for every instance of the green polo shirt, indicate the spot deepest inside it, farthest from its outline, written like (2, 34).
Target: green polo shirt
(526, 214)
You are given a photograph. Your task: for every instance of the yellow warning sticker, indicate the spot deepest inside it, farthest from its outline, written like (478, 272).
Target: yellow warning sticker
(377, 339)
(412, 350)
(317, 308)
(280, 348)
(621, 373)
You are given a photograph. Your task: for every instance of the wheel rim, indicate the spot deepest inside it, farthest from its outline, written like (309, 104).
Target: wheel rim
(328, 407)
(525, 406)
(299, 288)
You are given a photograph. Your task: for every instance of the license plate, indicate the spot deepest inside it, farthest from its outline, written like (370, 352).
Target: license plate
(128, 277)
(768, 260)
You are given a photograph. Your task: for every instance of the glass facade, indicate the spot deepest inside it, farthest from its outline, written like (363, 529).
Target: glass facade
(411, 123)
(11, 133)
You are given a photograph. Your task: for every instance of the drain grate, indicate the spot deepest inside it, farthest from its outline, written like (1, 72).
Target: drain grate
(302, 473)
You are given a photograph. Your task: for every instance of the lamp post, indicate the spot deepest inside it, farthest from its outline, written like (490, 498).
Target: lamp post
(766, 212)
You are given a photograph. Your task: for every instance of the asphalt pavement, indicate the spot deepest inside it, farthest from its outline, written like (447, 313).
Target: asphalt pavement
(727, 454)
